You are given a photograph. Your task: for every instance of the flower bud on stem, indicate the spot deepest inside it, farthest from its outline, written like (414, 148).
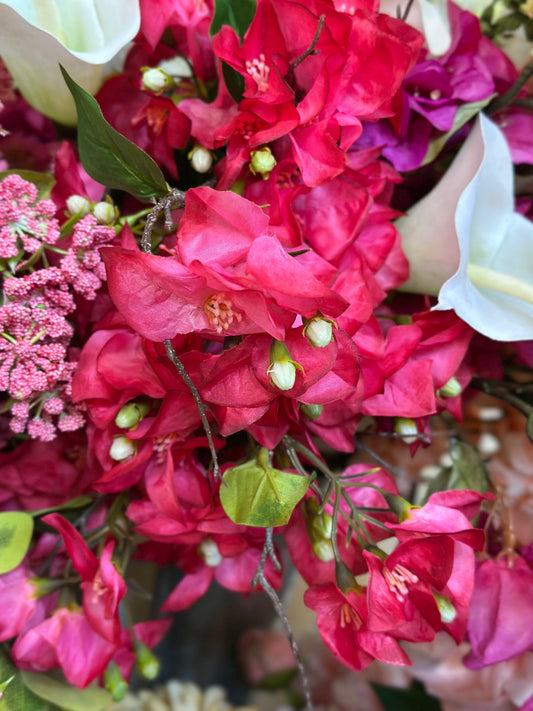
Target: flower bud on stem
(282, 369)
(147, 662)
(114, 682)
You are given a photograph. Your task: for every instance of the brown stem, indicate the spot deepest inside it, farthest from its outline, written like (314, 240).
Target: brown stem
(175, 199)
(260, 579)
(198, 400)
(308, 52)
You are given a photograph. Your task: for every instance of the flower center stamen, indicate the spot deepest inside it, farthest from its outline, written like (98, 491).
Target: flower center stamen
(162, 445)
(349, 616)
(259, 72)
(397, 580)
(220, 312)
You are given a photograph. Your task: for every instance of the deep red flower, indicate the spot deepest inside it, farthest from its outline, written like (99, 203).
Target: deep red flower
(341, 620)
(400, 590)
(103, 587)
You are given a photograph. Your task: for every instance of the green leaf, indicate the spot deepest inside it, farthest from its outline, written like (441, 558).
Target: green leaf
(235, 13)
(42, 181)
(234, 82)
(467, 471)
(109, 157)
(464, 113)
(16, 528)
(78, 503)
(253, 495)
(16, 696)
(413, 699)
(66, 696)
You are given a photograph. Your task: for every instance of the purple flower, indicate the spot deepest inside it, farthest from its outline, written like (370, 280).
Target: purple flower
(501, 606)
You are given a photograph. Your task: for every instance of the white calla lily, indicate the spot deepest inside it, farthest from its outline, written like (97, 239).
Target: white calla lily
(436, 26)
(36, 36)
(466, 244)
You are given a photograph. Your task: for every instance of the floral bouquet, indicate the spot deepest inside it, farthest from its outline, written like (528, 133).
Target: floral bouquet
(267, 296)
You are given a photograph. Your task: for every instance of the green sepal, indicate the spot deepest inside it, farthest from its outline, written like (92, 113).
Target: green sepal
(463, 115)
(109, 157)
(252, 495)
(16, 528)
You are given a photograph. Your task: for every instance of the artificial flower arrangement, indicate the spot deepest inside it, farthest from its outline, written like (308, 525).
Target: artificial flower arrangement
(281, 234)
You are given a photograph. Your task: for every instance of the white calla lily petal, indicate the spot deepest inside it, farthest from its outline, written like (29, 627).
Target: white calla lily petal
(479, 264)
(436, 26)
(82, 35)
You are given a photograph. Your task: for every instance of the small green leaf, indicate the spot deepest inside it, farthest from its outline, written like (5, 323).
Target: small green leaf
(109, 157)
(66, 696)
(16, 696)
(234, 82)
(467, 471)
(42, 181)
(464, 113)
(16, 528)
(415, 698)
(235, 13)
(253, 495)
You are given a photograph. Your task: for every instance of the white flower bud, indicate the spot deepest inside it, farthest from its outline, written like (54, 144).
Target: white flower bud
(208, 549)
(283, 374)
(122, 449)
(155, 79)
(451, 389)
(323, 550)
(104, 212)
(282, 369)
(78, 205)
(319, 332)
(201, 159)
(407, 428)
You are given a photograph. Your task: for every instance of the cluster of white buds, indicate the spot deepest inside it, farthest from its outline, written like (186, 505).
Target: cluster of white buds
(104, 211)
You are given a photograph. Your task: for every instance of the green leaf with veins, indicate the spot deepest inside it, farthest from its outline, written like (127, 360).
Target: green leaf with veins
(255, 495)
(109, 157)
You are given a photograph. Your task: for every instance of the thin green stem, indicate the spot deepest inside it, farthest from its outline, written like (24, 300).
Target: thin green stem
(507, 98)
